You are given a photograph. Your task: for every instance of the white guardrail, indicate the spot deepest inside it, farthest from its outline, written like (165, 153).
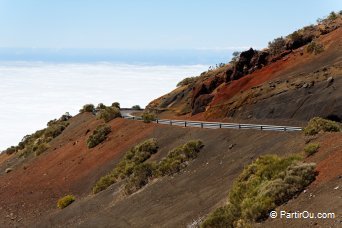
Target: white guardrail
(217, 125)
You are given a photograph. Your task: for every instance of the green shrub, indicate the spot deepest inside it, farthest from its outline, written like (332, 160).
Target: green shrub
(187, 81)
(222, 217)
(55, 129)
(40, 139)
(138, 173)
(314, 48)
(11, 150)
(235, 58)
(277, 46)
(148, 117)
(100, 106)
(311, 148)
(332, 16)
(133, 158)
(65, 201)
(175, 161)
(176, 158)
(109, 113)
(41, 148)
(318, 124)
(116, 105)
(266, 183)
(98, 136)
(140, 177)
(87, 108)
(136, 107)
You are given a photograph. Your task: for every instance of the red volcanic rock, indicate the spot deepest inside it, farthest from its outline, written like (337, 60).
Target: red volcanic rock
(205, 87)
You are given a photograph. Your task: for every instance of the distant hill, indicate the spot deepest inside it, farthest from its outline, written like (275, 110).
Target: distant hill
(295, 77)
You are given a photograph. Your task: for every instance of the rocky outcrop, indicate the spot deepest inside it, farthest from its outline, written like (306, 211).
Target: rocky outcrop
(205, 87)
(298, 41)
(243, 65)
(280, 56)
(201, 103)
(248, 62)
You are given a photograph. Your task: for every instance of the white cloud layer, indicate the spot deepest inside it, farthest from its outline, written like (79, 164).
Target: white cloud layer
(33, 93)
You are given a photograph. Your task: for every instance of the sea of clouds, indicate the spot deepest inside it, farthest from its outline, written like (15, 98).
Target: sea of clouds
(32, 93)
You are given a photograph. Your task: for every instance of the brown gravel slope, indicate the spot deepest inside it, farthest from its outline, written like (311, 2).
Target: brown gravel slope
(176, 201)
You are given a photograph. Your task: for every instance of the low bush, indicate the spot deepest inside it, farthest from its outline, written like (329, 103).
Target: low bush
(98, 136)
(176, 158)
(266, 183)
(41, 148)
(332, 16)
(100, 106)
(148, 117)
(87, 108)
(38, 141)
(55, 129)
(11, 150)
(175, 161)
(108, 113)
(299, 38)
(277, 46)
(141, 175)
(235, 58)
(318, 124)
(314, 48)
(116, 105)
(311, 148)
(187, 81)
(133, 158)
(138, 173)
(65, 201)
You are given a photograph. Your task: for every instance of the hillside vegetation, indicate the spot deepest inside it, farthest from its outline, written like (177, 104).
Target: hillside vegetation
(263, 185)
(138, 173)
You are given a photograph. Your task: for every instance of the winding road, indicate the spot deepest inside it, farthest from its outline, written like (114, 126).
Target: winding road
(212, 125)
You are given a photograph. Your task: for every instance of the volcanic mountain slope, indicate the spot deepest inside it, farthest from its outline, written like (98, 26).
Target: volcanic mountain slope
(68, 166)
(261, 84)
(29, 193)
(294, 85)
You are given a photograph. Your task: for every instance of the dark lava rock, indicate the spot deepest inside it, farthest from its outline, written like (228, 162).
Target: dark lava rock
(206, 87)
(243, 65)
(201, 103)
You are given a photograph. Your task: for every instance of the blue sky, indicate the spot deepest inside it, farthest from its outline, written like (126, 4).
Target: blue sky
(154, 24)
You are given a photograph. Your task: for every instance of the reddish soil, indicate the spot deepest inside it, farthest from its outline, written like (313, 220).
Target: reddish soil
(68, 167)
(328, 159)
(294, 66)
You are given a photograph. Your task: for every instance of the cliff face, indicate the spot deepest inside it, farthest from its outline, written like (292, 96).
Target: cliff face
(288, 80)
